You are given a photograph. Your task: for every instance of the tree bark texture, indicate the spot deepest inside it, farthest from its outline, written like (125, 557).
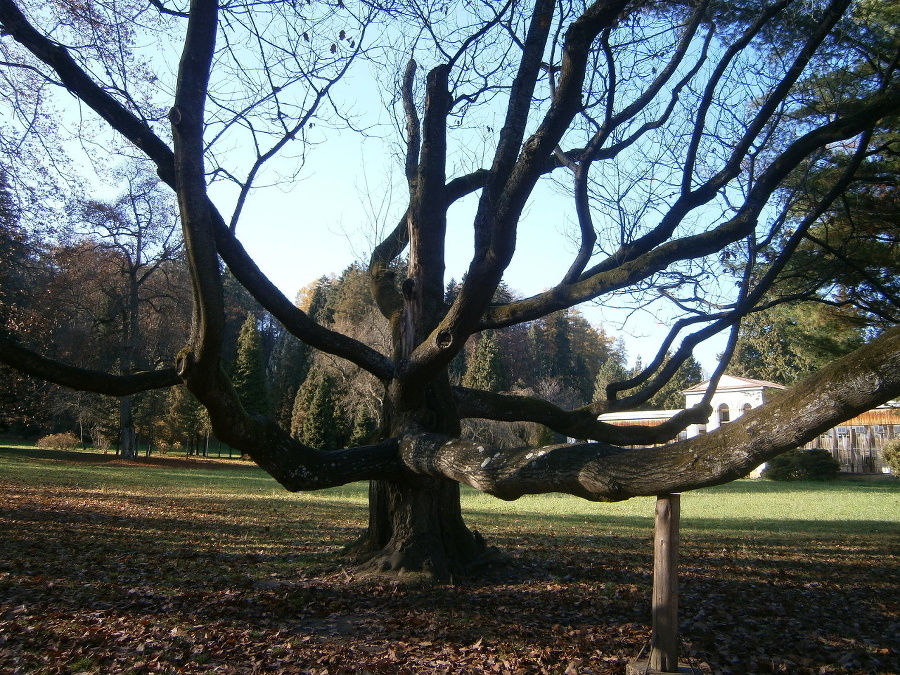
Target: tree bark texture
(416, 530)
(849, 386)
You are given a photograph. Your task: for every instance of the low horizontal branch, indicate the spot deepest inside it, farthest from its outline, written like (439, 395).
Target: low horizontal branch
(868, 377)
(84, 379)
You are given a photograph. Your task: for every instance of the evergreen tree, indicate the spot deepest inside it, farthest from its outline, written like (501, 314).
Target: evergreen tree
(671, 397)
(302, 403)
(452, 291)
(612, 370)
(22, 400)
(849, 256)
(318, 303)
(291, 362)
(557, 341)
(249, 370)
(485, 368)
(320, 426)
(591, 347)
(351, 298)
(364, 426)
(108, 422)
(13, 254)
(787, 343)
(188, 420)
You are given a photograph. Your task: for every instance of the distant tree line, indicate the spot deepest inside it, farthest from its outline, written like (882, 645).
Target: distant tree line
(105, 289)
(114, 272)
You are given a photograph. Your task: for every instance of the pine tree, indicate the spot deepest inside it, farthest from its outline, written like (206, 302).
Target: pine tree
(320, 426)
(612, 370)
(671, 397)
(291, 365)
(13, 252)
(318, 303)
(249, 371)
(302, 402)
(364, 426)
(485, 370)
(786, 343)
(188, 420)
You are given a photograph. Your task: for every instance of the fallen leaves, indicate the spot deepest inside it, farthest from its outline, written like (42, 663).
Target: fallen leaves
(97, 581)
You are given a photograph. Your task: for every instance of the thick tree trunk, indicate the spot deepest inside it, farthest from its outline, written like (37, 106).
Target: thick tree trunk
(416, 530)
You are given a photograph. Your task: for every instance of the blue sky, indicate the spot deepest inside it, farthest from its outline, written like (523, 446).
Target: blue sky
(349, 188)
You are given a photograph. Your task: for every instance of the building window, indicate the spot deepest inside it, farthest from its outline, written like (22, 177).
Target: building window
(724, 414)
(746, 407)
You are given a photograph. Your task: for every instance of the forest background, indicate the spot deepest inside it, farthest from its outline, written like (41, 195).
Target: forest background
(112, 274)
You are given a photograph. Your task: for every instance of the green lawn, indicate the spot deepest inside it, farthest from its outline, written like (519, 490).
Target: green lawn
(109, 567)
(745, 504)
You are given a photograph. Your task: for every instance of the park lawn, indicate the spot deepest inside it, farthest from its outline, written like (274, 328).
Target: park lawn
(209, 566)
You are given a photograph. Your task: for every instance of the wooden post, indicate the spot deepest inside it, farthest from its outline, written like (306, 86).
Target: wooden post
(664, 640)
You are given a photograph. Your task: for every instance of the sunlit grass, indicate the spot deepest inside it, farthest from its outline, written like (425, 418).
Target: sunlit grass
(90, 545)
(745, 504)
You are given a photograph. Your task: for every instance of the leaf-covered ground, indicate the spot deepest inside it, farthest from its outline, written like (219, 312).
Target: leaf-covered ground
(101, 577)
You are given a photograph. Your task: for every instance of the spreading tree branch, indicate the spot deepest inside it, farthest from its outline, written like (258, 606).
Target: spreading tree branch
(847, 387)
(84, 379)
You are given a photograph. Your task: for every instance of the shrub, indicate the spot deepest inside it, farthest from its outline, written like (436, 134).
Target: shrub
(816, 464)
(64, 441)
(891, 456)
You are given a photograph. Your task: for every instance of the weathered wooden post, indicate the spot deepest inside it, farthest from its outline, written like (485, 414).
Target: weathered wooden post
(664, 638)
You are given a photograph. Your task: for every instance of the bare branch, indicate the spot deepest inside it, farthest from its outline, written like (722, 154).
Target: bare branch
(84, 379)
(603, 279)
(581, 423)
(602, 472)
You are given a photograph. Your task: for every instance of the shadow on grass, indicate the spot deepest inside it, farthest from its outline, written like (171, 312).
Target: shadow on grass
(155, 577)
(862, 483)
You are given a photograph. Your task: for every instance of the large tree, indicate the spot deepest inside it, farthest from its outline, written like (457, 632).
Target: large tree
(672, 126)
(137, 236)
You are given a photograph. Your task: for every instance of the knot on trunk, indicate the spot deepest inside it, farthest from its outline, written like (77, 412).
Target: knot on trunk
(444, 339)
(409, 286)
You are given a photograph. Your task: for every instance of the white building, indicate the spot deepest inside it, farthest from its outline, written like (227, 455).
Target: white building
(856, 443)
(732, 398)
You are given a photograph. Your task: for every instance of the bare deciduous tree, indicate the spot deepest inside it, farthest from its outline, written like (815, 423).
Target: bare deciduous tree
(673, 126)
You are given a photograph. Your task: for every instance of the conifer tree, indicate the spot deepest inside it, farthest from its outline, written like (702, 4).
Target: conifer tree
(188, 420)
(671, 397)
(12, 250)
(302, 403)
(320, 426)
(612, 370)
(364, 426)
(291, 366)
(249, 371)
(485, 369)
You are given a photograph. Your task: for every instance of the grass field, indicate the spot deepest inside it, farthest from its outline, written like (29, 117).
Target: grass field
(109, 567)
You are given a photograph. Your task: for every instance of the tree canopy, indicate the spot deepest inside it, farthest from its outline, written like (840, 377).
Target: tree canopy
(676, 130)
